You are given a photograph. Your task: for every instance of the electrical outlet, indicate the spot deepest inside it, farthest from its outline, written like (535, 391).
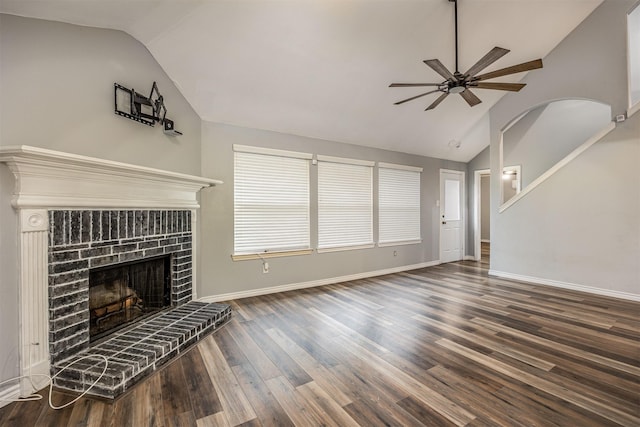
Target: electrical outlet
(395, 253)
(265, 267)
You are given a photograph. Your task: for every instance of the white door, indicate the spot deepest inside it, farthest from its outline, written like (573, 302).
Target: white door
(451, 215)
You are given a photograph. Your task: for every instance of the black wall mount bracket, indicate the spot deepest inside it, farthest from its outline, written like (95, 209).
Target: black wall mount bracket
(143, 109)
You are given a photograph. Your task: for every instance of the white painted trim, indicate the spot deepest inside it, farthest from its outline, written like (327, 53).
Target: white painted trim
(566, 285)
(400, 167)
(555, 168)
(271, 151)
(469, 258)
(477, 210)
(51, 179)
(345, 248)
(485, 241)
(33, 295)
(314, 283)
(399, 243)
(277, 254)
(452, 171)
(9, 393)
(345, 160)
(632, 110)
(463, 210)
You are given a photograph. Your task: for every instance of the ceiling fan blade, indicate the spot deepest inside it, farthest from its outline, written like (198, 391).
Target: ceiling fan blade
(513, 87)
(415, 97)
(437, 66)
(491, 57)
(470, 97)
(413, 84)
(525, 66)
(435, 103)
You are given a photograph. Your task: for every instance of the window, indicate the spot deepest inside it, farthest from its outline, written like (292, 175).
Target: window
(451, 200)
(399, 204)
(345, 203)
(271, 200)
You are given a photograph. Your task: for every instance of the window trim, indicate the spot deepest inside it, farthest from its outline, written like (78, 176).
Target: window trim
(271, 152)
(274, 254)
(240, 256)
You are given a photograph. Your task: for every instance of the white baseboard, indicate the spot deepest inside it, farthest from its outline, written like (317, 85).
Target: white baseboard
(485, 241)
(8, 393)
(469, 258)
(566, 285)
(313, 283)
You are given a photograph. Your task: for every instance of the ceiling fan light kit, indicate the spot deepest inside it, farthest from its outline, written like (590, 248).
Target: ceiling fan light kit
(459, 83)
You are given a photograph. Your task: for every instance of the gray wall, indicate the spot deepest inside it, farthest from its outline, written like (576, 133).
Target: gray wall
(582, 225)
(547, 134)
(485, 208)
(56, 82)
(509, 188)
(479, 162)
(57, 93)
(221, 275)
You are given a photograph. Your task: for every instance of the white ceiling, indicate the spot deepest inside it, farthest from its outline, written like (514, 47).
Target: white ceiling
(321, 68)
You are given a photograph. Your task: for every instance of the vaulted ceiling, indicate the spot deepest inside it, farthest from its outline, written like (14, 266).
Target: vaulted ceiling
(321, 68)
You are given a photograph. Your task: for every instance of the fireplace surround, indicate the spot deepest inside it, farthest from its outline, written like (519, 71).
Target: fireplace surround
(81, 241)
(76, 212)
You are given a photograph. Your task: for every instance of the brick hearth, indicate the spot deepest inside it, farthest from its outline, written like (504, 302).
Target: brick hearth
(138, 351)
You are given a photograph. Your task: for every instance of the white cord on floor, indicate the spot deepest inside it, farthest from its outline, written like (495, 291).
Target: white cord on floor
(36, 396)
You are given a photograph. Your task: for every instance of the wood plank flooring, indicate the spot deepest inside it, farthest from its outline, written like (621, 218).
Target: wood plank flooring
(441, 346)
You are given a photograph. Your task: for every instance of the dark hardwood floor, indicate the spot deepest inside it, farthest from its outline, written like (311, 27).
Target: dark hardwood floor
(441, 346)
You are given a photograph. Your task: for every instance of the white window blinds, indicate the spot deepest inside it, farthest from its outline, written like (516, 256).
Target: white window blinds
(345, 203)
(271, 200)
(398, 203)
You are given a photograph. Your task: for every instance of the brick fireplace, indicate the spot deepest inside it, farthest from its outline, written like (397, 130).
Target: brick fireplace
(77, 213)
(82, 240)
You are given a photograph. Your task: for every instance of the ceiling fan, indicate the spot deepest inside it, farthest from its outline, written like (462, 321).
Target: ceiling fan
(461, 83)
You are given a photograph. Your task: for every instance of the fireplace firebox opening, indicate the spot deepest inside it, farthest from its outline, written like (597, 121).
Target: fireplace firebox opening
(122, 294)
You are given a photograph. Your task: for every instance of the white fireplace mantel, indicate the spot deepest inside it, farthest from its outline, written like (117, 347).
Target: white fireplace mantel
(52, 179)
(49, 180)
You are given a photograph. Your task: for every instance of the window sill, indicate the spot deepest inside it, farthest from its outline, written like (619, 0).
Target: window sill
(264, 255)
(345, 248)
(399, 243)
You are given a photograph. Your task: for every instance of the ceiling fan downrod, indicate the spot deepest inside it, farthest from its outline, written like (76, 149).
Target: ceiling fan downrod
(455, 23)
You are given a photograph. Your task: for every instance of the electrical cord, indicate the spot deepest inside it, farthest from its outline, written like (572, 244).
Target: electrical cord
(36, 396)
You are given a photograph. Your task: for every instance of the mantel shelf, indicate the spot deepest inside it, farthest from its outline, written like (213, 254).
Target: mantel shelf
(52, 179)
